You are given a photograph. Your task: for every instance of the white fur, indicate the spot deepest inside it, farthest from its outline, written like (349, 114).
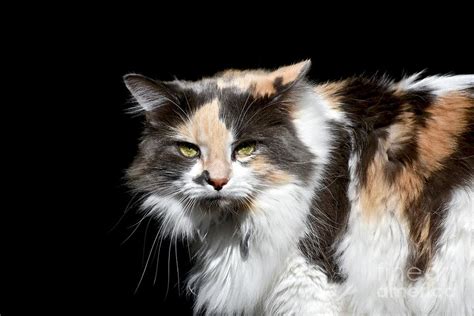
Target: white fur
(226, 281)
(373, 256)
(311, 121)
(174, 221)
(367, 255)
(439, 84)
(302, 289)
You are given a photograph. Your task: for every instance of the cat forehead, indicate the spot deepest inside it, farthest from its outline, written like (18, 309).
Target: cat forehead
(205, 127)
(258, 83)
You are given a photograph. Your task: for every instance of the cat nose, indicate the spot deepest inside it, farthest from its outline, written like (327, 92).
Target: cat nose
(218, 183)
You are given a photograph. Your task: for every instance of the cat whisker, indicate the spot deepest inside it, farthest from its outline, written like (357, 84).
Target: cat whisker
(168, 275)
(137, 225)
(146, 264)
(133, 201)
(176, 261)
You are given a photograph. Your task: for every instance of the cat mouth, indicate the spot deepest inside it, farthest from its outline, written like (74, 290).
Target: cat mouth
(220, 201)
(216, 198)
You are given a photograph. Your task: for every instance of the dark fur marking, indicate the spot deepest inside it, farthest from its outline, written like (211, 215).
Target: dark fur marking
(203, 178)
(330, 209)
(372, 107)
(266, 120)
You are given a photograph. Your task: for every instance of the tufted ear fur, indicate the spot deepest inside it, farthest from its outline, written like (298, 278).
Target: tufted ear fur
(292, 73)
(149, 94)
(273, 83)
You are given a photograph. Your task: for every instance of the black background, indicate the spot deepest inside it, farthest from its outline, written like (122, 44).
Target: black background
(69, 255)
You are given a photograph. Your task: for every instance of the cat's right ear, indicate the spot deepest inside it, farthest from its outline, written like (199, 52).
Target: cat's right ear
(149, 94)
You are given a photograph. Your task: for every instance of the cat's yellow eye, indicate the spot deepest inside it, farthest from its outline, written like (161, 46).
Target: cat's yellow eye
(245, 150)
(188, 150)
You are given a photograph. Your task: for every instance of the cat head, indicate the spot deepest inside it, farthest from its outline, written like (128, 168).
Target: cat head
(216, 144)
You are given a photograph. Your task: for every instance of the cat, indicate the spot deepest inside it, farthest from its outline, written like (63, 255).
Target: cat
(347, 197)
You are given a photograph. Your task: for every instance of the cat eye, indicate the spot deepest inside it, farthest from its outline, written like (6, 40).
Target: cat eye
(245, 149)
(188, 150)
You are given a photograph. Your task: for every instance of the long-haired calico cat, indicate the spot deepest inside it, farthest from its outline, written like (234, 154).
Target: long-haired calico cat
(354, 196)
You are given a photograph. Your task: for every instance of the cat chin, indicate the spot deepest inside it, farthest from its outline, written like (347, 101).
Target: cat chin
(177, 221)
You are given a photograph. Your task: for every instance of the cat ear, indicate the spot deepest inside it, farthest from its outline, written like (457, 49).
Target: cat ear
(150, 94)
(275, 83)
(289, 75)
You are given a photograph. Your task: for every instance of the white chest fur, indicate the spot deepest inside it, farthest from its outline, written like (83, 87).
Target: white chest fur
(226, 280)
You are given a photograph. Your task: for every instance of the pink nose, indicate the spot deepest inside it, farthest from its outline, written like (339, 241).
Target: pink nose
(218, 183)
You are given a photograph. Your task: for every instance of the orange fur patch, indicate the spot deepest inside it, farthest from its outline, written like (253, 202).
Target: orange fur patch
(378, 194)
(435, 141)
(206, 130)
(268, 171)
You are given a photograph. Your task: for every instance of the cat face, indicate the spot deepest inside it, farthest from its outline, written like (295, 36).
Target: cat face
(218, 143)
